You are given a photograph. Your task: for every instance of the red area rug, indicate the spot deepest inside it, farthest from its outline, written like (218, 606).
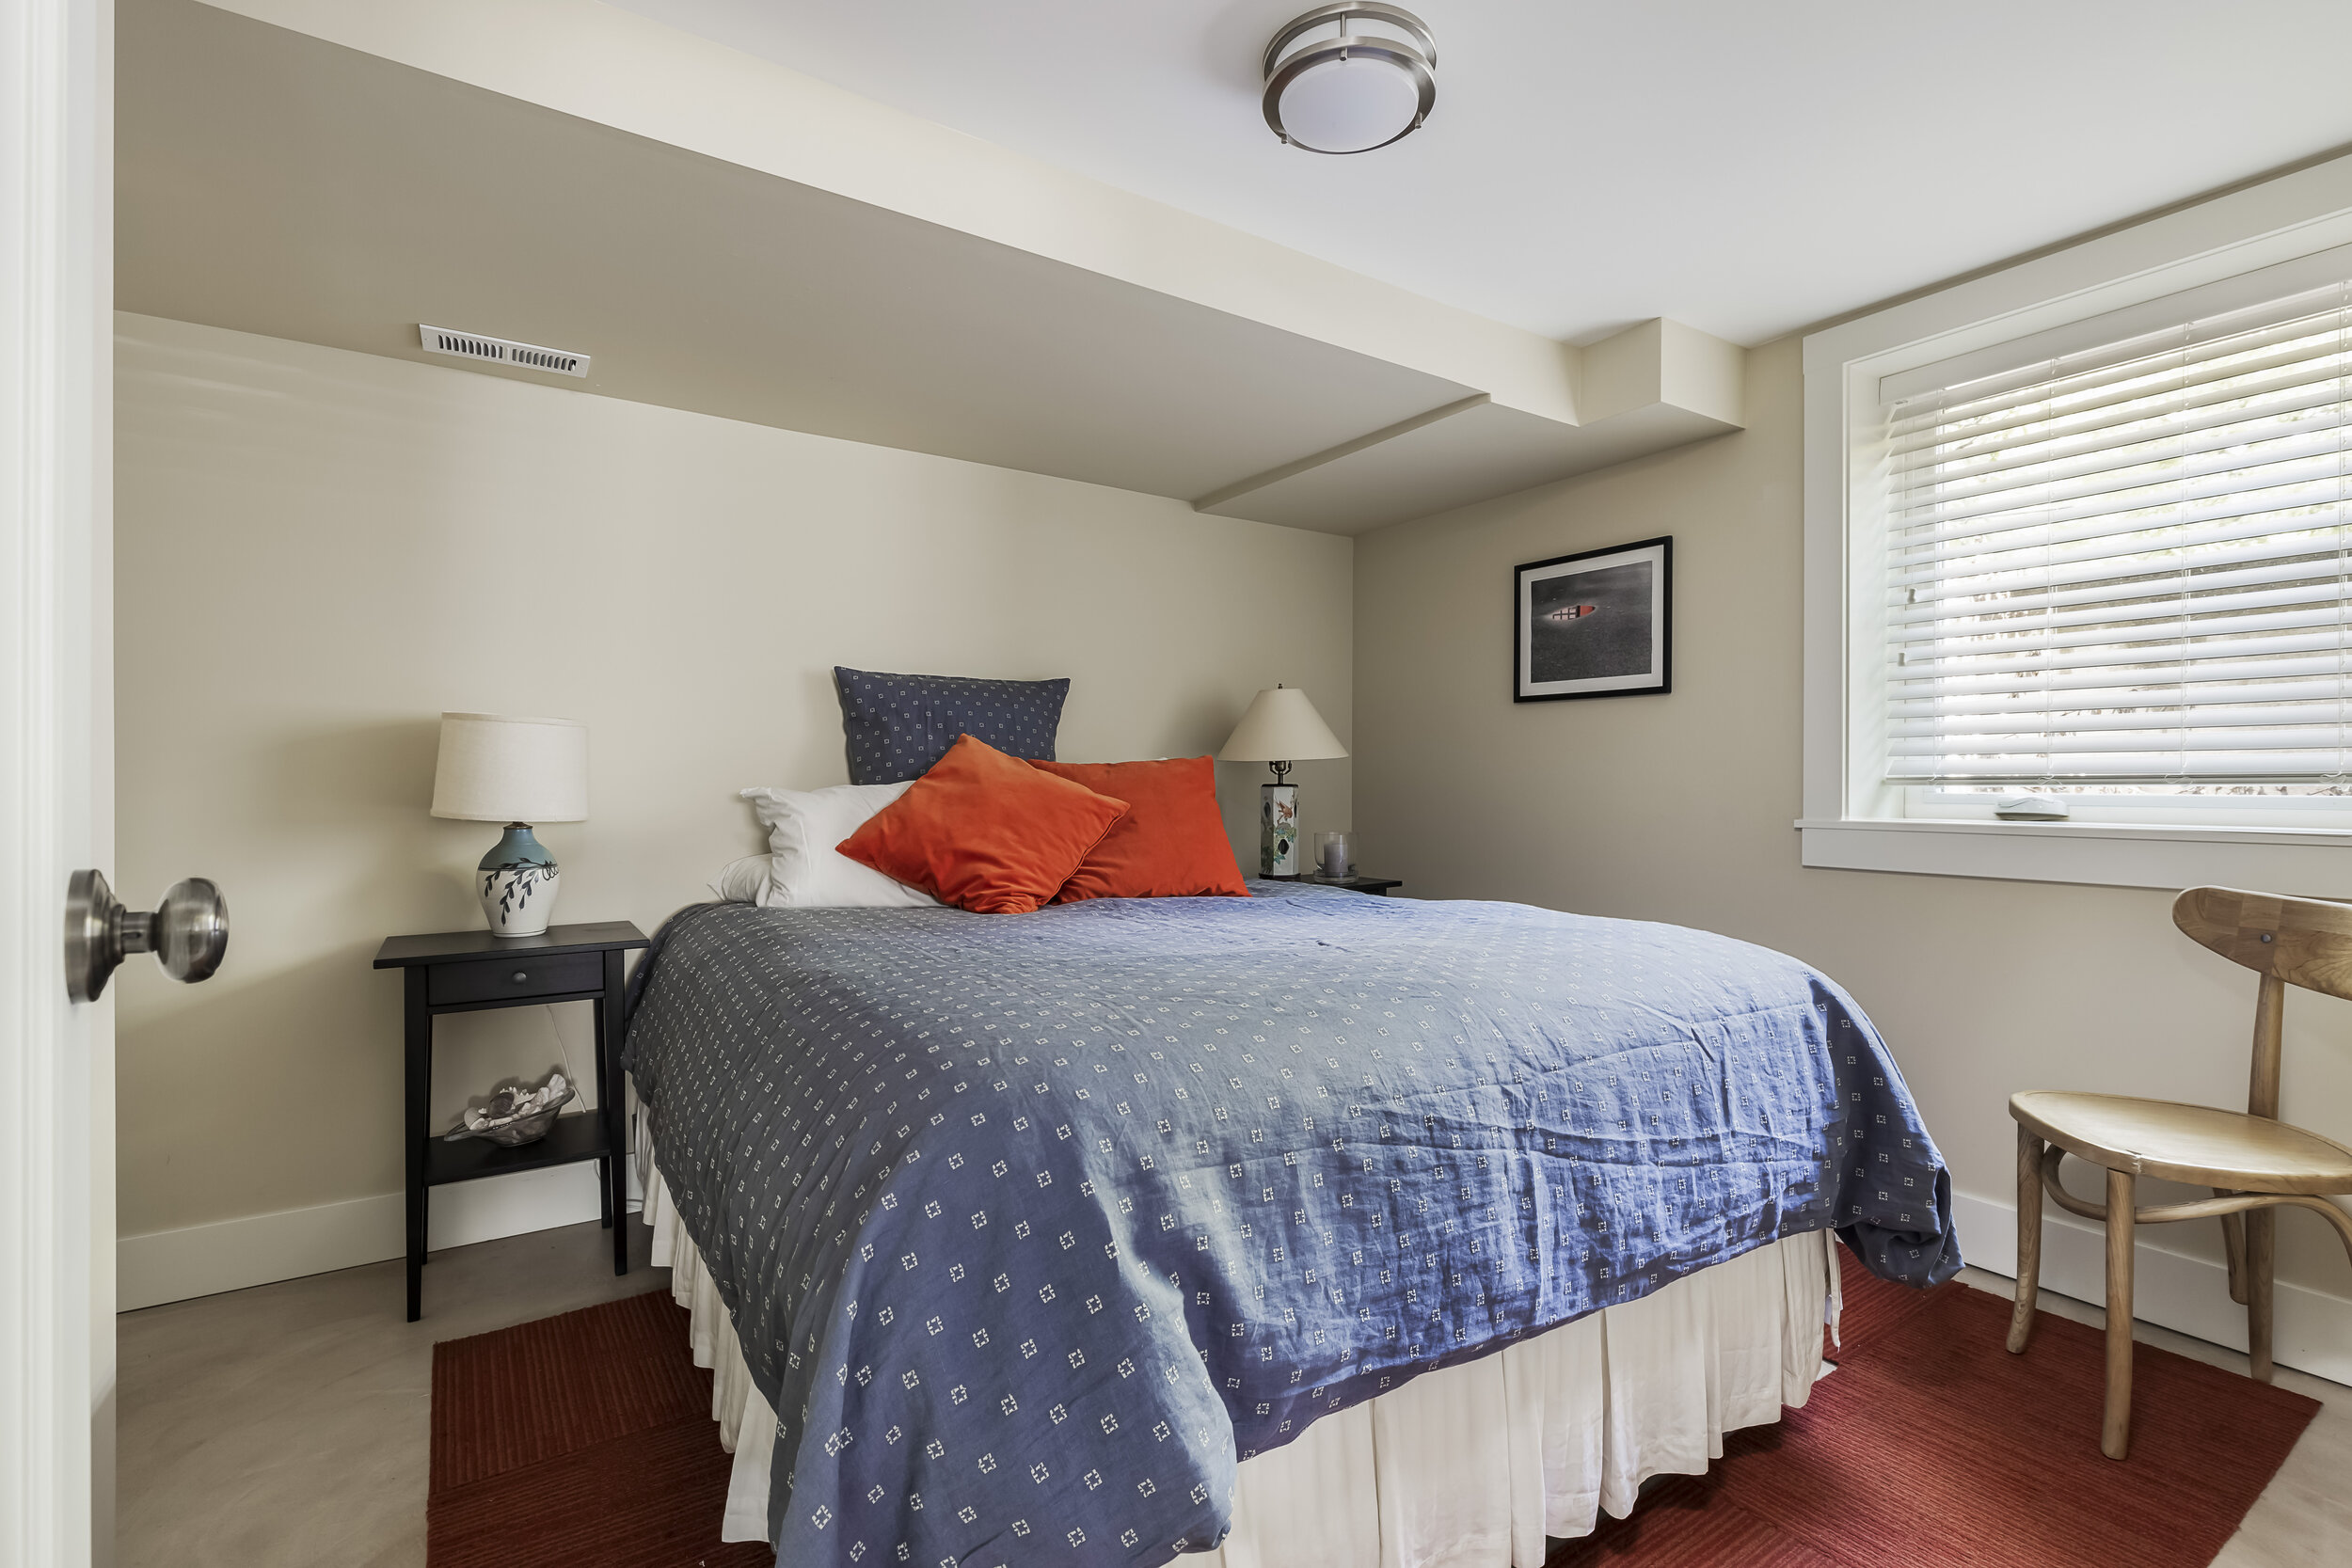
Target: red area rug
(1932, 1444)
(583, 1441)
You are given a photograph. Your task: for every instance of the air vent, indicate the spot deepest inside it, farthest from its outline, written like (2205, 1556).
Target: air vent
(500, 351)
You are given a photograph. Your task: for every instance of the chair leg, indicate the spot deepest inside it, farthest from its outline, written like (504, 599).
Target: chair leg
(2233, 1246)
(2115, 1436)
(2261, 1238)
(2028, 1237)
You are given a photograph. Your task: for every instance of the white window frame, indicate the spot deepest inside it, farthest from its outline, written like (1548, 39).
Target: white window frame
(1854, 821)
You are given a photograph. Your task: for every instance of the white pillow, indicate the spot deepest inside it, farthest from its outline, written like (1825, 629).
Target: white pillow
(741, 881)
(803, 867)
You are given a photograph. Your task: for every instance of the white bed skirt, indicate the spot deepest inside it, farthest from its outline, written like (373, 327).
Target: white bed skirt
(1468, 1468)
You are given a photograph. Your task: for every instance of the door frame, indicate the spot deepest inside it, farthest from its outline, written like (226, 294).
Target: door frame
(57, 727)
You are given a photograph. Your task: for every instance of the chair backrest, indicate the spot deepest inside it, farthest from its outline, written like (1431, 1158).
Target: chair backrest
(2287, 940)
(2304, 941)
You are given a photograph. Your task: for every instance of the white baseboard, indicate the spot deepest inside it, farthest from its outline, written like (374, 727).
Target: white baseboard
(2311, 1330)
(260, 1249)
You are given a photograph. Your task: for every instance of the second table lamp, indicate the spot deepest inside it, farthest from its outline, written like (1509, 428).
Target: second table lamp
(1281, 727)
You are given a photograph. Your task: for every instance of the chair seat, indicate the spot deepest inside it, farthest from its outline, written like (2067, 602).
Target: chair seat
(2195, 1144)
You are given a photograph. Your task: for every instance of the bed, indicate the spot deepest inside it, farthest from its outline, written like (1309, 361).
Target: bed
(1139, 1226)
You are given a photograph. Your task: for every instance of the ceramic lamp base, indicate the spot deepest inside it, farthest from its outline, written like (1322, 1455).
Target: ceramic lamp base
(517, 879)
(1278, 831)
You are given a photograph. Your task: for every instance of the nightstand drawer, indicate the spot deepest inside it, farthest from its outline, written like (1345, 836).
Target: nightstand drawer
(525, 974)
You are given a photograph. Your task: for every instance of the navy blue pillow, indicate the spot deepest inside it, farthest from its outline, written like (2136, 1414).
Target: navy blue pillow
(900, 725)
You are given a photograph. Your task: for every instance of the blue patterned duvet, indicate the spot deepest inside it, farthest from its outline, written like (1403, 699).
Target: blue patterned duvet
(1033, 1226)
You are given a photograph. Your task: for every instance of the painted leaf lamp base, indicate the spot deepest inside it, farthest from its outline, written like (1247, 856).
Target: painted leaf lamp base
(1277, 829)
(518, 880)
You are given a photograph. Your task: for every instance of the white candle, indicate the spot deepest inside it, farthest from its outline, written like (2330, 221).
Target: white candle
(1335, 856)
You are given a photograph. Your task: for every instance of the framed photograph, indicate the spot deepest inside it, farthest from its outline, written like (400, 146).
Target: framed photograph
(1597, 624)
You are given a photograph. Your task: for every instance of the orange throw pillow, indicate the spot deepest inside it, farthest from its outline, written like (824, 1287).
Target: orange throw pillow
(1172, 843)
(986, 831)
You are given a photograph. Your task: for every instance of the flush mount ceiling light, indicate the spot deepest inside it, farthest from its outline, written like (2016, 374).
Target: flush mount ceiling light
(1365, 77)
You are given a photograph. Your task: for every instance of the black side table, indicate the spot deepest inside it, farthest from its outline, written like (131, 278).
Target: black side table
(462, 972)
(1377, 886)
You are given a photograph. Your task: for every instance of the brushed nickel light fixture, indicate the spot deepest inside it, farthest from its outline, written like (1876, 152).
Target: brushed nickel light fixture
(1366, 76)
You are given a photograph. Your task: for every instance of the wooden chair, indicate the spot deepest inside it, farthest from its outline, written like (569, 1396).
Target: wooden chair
(2255, 1164)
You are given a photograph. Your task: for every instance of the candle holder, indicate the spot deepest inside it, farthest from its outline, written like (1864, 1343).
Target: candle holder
(1335, 856)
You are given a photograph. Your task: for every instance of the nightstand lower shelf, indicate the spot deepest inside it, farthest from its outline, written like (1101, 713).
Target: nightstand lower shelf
(572, 1138)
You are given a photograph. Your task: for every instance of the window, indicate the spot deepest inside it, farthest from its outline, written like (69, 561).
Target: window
(2084, 526)
(2128, 569)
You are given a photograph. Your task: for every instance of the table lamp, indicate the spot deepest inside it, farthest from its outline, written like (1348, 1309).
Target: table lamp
(1281, 727)
(496, 768)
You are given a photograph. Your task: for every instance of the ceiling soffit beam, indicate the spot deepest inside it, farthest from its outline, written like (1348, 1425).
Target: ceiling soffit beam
(1537, 409)
(596, 62)
(274, 182)
(1655, 385)
(1661, 361)
(1216, 499)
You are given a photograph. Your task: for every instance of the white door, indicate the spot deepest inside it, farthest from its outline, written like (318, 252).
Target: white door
(56, 725)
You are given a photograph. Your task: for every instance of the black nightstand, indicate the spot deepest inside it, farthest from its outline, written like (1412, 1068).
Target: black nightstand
(463, 971)
(1377, 886)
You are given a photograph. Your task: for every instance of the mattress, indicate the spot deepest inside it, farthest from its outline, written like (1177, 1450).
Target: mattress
(1471, 1467)
(1032, 1227)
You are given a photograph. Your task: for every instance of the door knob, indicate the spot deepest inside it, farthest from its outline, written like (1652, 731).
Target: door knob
(189, 934)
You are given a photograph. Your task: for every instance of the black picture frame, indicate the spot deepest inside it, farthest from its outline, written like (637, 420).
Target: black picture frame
(1630, 594)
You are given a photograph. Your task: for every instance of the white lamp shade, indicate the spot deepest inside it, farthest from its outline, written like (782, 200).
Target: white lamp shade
(496, 768)
(1281, 726)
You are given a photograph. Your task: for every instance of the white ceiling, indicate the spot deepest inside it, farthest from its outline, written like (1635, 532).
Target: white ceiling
(1746, 168)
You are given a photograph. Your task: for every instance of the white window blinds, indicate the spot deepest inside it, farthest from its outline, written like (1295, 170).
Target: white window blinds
(2129, 564)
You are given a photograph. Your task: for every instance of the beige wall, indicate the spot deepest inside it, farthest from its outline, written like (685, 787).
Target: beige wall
(1680, 808)
(320, 550)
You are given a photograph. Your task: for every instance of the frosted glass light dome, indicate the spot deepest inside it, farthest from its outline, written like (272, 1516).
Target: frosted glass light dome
(1350, 77)
(1348, 106)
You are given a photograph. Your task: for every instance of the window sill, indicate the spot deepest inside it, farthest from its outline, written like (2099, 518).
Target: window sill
(2317, 862)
